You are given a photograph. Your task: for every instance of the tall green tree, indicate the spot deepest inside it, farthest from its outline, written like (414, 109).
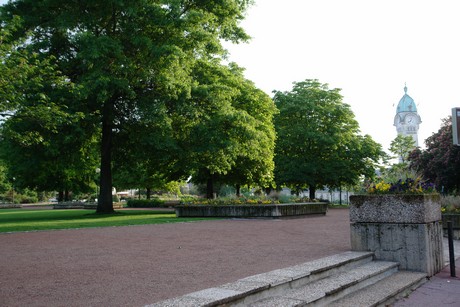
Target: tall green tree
(127, 57)
(41, 142)
(225, 128)
(440, 161)
(59, 158)
(401, 147)
(318, 140)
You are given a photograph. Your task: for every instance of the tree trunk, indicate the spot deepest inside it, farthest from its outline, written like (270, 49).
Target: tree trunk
(340, 194)
(238, 190)
(61, 196)
(104, 202)
(148, 193)
(210, 187)
(312, 191)
(268, 190)
(66, 195)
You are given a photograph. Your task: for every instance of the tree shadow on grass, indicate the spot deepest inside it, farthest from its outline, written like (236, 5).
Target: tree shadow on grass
(68, 215)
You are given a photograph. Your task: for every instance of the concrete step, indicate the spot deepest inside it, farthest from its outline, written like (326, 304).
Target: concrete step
(271, 284)
(385, 291)
(332, 288)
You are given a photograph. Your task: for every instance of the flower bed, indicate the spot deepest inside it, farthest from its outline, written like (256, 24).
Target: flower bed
(252, 211)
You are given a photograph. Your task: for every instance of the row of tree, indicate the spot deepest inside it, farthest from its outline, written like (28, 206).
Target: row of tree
(137, 90)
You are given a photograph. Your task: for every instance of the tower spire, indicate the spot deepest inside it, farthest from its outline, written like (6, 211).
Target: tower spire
(405, 88)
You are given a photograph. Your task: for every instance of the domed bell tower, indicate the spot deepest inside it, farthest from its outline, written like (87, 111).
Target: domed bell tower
(407, 120)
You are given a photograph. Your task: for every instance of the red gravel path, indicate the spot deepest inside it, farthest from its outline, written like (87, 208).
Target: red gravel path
(138, 265)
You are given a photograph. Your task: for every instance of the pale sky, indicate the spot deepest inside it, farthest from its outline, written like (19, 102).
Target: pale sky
(368, 48)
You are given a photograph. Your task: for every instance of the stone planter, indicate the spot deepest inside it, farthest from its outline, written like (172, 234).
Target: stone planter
(252, 211)
(455, 219)
(401, 228)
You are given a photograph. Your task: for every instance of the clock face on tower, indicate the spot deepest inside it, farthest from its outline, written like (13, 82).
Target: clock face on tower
(410, 119)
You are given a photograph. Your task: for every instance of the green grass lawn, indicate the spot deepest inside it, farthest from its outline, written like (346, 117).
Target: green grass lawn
(12, 220)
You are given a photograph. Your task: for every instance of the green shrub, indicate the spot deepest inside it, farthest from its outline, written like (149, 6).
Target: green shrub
(188, 198)
(284, 199)
(450, 204)
(145, 203)
(27, 199)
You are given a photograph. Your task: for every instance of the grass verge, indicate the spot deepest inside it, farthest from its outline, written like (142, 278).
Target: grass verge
(14, 220)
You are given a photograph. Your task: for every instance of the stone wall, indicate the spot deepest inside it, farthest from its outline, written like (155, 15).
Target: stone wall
(252, 211)
(403, 228)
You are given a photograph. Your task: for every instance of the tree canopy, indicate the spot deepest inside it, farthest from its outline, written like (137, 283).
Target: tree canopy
(226, 128)
(440, 161)
(401, 146)
(127, 59)
(318, 139)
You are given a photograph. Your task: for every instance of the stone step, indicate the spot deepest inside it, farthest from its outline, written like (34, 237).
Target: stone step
(385, 291)
(334, 287)
(271, 284)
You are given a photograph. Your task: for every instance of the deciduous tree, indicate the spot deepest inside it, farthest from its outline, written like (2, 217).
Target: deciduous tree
(440, 161)
(128, 58)
(226, 129)
(318, 139)
(401, 146)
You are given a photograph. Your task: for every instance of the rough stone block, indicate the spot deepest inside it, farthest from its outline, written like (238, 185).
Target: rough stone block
(251, 211)
(396, 208)
(416, 247)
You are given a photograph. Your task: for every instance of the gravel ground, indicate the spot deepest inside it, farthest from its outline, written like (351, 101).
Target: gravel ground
(139, 265)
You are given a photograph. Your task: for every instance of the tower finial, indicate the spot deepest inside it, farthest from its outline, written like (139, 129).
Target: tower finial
(405, 88)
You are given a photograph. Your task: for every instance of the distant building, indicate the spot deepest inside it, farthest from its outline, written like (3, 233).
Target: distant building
(407, 120)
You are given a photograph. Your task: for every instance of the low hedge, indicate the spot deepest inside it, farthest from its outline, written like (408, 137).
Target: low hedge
(145, 203)
(10, 206)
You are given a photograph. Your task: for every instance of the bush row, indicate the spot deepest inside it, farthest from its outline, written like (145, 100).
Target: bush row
(146, 203)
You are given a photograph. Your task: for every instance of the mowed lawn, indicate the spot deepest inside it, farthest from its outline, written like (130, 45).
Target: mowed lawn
(13, 220)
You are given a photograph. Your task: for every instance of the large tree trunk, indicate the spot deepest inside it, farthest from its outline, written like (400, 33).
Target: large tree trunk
(104, 202)
(312, 191)
(61, 196)
(210, 187)
(66, 195)
(148, 193)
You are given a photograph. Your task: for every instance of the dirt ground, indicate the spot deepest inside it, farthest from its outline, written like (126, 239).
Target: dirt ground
(139, 265)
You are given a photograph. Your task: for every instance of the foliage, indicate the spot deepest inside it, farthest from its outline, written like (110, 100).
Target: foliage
(318, 140)
(129, 60)
(405, 182)
(5, 185)
(32, 220)
(440, 161)
(248, 200)
(145, 203)
(450, 204)
(401, 147)
(225, 129)
(20, 196)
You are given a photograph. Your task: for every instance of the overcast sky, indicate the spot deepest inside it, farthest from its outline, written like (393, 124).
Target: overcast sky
(368, 48)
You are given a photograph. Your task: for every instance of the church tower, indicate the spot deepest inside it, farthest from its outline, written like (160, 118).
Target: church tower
(407, 120)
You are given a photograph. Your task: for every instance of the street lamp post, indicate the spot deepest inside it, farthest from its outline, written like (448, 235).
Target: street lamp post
(98, 170)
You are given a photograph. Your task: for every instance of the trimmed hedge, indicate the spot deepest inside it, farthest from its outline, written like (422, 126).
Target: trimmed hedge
(145, 203)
